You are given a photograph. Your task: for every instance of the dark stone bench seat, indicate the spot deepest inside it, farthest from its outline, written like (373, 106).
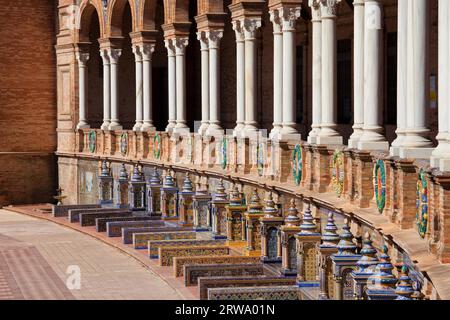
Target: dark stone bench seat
(88, 219)
(205, 283)
(74, 214)
(114, 228)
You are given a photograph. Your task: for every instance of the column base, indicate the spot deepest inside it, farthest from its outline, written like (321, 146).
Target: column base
(115, 126)
(420, 153)
(373, 146)
(327, 140)
(394, 152)
(435, 162)
(444, 165)
(137, 126)
(181, 130)
(312, 137)
(146, 127)
(83, 126)
(355, 137)
(203, 127)
(105, 125)
(274, 134)
(170, 126)
(214, 130)
(237, 131)
(285, 137)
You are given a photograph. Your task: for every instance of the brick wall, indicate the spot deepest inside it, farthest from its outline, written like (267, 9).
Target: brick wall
(28, 101)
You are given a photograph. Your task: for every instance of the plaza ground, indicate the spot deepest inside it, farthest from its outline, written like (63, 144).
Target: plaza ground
(35, 255)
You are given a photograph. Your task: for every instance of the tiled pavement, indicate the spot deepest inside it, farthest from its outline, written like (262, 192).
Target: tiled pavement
(35, 256)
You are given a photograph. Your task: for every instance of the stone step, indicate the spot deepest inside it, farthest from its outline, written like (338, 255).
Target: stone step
(63, 210)
(154, 245)
(100, 223)
(128, 233)
(205, 283)
(166, 254)
(88, 219)
(114, 228)
(180, 262)
(74, 214)
(193, 272)
(255, 293)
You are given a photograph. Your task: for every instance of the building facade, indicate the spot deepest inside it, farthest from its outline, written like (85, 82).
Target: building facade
(341, 105)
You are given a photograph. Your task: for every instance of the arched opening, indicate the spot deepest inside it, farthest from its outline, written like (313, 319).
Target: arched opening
(193, 67)
(152, 19)
(127, 73)
(91, 28)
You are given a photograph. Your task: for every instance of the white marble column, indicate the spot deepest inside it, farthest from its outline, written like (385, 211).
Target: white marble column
(147, 52)
(82, 58)
(289, 130)
(316, 71)
(106, 89)
(402, 50)
(240, 77)
(416, 143)
(114, 55)
(328, 134)
(251, 26)
(443, 149)
(172, 85)
(277, 72)
(204, 51)
(214, 37)
(180, 55)
(358, 73)
(137, 50)
(373, 133)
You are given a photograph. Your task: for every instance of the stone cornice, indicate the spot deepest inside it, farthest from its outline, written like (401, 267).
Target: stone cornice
(247, 9)
(176, 29)
(139, 37)
(210, 21)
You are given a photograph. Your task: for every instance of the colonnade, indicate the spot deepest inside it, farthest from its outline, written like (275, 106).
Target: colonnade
(413, 140)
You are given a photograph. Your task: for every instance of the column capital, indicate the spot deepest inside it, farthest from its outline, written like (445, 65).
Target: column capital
(358, 2)
(315, 10)
(114, 54)
(82, 58)
(170, 46)
(104, 55)
(214, 37)
(203, 38)
(137, 50)
(180, 45)
(276, 20)
(329, 8)
(251, 25)
(289, 16)
(238, 27)
(147, 51)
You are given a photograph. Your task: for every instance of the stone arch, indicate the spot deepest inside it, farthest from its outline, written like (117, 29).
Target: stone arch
(115, 16)
(176, 11)
(209, 6)
(87, 9)
(148, 14)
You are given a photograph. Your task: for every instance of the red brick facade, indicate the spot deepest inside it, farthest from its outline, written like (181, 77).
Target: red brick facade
(28, 101)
